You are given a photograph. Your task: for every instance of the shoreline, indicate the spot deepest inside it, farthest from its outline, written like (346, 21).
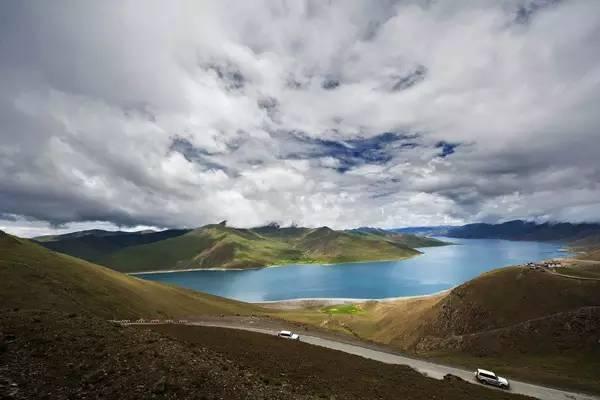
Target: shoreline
(170, 271)
(308, 264)
(329, 301)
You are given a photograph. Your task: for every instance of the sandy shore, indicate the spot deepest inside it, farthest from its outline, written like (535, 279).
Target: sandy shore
(292, 304)
(172, 271)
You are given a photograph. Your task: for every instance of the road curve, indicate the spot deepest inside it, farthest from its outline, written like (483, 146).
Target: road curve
(427, 368)
(433, 370)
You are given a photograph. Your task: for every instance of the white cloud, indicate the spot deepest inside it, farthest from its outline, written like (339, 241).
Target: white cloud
(186, 113)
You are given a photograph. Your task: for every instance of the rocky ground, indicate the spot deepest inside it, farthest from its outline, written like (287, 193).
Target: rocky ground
(67, 356)
(46, 355)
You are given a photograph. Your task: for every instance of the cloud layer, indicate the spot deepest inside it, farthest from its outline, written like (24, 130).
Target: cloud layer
(343, 113)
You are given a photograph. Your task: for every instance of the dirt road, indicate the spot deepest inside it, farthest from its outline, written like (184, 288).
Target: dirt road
(430, 369)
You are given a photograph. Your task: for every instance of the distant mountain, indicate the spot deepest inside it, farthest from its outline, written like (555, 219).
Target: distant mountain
(220, 246)
(524, 230)
(79, 234)
(440, 230)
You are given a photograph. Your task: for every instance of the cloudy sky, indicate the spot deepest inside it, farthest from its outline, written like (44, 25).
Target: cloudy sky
(338, 113)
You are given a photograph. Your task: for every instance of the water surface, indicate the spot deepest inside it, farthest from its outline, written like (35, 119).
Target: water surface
(439, 268)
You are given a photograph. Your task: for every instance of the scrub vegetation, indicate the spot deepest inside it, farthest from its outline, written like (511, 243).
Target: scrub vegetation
(351, 309)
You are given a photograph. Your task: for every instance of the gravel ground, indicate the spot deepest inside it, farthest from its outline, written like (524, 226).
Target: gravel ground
(66, 356)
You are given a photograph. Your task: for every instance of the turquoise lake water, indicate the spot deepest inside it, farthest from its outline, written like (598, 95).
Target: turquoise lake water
(439, 268)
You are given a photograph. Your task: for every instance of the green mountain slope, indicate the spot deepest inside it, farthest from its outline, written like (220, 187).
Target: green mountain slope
(335, 246)
(213, 246)
(406, 239)
(219, 246)
(93, 245)
(32, 277)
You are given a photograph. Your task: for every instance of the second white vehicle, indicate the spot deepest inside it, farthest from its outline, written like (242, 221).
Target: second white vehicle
(489, 378)
(288, 335)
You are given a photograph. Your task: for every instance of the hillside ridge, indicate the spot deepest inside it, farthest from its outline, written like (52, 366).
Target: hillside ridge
(526, 230)
(33, 277)
(221, 246)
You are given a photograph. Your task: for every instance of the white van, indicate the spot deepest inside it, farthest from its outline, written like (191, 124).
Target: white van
(288, 335)
(489, 378)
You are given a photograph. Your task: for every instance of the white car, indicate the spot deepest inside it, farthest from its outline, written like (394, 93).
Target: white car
(489, 378)
(288, 335)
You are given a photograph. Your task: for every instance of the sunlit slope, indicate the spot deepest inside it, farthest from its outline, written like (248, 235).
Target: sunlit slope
(405, 239)
(495, 300)
(213, 246)
(324, 244)
(32, 277)
(218, 246)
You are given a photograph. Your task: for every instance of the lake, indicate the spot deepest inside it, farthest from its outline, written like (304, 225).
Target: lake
(439, 268)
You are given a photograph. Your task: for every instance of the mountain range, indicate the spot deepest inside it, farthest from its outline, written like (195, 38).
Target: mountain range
(221, 246)
(511, 230)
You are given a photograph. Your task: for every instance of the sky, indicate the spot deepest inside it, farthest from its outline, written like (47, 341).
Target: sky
(136, 114)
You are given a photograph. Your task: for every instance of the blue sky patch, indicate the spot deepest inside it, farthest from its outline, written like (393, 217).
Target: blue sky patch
(194, 154)
(351, 153)
(446, 148)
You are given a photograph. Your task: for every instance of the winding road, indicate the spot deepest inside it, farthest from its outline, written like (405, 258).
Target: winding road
(433, 370)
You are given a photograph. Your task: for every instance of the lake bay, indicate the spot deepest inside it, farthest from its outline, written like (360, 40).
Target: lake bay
(439, 268)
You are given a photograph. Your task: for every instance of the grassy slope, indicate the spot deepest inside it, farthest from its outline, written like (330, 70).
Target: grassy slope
(324, 244)
(32, 277)
(508, 296)
(93, 245)
(587, 248)
(405, 239)
(217, 246)
(584, 269)
(523, 323)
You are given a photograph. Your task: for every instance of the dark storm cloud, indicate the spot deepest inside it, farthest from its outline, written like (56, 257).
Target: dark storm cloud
(330, 83)
(271, 106)
(410, 80)
(527, 10)
(229, 74)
